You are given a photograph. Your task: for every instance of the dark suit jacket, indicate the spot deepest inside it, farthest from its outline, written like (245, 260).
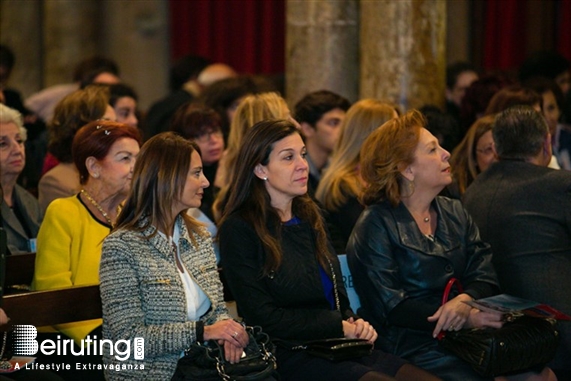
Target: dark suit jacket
(30, 210)
(524, 212)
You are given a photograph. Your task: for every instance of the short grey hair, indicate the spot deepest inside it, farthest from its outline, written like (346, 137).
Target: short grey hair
(10, 115)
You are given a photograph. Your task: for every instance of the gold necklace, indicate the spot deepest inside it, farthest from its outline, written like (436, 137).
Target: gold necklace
(96, 205)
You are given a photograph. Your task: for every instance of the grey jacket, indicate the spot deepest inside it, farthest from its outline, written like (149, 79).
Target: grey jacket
(143, 297)
(15, 232)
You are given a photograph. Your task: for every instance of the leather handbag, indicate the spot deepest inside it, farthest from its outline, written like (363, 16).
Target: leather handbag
(206, 362)
(339, 349)
(521, 343)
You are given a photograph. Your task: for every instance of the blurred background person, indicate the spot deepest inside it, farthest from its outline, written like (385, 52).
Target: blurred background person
(124, 100)
(459, 77)
(341, 185)
(320, 115)
(61, 178)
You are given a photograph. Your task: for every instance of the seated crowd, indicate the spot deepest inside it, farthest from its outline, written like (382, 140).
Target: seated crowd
(222, 175)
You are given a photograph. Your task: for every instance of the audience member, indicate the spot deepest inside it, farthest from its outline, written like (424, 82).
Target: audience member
(553, 65)
(320, 115)
(225, 96)
(459, 77)
(516, 95)
(124, 100)
(523, 209)
(35, 127)
(156, 248)
(202, 124)
(70, 238)
(21, 215)
(472, 156)
(95, 69)
(409, 242)
(74, 111)
(443, 126)
(551, 108)
(341, 185)
(281, 267)
(477, 97)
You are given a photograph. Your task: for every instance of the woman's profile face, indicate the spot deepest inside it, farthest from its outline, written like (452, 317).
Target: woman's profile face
(430, 169)
(551, 111)
(287, 170)
(195, 183)
(12, 153)
(116, 168)
(485, 151)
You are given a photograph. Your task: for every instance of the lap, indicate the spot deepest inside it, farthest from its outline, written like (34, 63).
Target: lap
(299, 366)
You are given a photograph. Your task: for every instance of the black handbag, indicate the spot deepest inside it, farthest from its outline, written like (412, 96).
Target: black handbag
(338, 349)
(206, 362)
(520, 344)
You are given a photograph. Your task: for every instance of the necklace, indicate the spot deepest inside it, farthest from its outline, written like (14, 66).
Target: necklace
(96, 205)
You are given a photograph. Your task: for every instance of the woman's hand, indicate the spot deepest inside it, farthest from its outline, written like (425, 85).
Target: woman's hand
(451, 316)
(227, 331)
(232, 353)
(481, 319)
(3, 318)
(359, 329)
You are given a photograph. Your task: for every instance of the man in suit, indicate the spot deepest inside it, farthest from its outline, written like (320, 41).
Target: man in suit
(523, 210)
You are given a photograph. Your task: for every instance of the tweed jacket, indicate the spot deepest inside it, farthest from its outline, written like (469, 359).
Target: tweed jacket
(30, 209)
(143, 296)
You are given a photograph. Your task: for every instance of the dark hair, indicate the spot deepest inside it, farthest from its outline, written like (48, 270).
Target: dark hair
(89, 68)
(385, 153)
(512, 96)
(95, 139)
(252, 202)
(519, 133)
(312, 106)
(443, 126)
(542, 85)
(193, 119)
(72, 112)
(545, 63)
(159, 178)
(478, 96)
(454, 70)
(120, 90)
(222, 94)
(7, 58)
(185, 69)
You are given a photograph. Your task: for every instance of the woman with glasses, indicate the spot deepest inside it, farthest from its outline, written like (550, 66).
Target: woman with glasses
(474, 154)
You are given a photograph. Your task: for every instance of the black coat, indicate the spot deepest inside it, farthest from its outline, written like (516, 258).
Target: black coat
(290, 304)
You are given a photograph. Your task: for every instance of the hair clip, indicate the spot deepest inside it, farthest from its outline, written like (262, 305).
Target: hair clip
(107, 132)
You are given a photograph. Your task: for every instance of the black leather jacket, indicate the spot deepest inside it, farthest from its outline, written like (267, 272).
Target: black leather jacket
(393, 264)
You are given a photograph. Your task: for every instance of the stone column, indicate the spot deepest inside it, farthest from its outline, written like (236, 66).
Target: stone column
(403, 51)
(322, 47)
(20, 30)
(70, 34)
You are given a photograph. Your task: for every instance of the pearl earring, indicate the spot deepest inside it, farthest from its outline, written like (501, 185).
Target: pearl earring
(265, 179)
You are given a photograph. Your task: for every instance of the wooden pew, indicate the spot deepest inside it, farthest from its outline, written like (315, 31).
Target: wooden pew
(64, 305)
(19, 269)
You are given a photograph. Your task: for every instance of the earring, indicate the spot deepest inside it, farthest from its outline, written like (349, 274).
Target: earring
(96, 175)
(265, 179)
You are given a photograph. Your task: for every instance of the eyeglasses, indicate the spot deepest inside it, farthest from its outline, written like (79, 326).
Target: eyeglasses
(203, 138)
(489, 150)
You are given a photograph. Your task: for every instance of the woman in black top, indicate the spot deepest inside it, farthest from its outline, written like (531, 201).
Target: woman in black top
(280, 264)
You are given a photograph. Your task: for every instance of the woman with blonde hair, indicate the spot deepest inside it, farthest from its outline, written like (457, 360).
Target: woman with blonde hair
(253, 109)
(340, 186)
(472, 156)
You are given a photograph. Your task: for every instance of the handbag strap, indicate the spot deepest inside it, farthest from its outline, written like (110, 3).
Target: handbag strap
(446, 296)
(335, 291)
